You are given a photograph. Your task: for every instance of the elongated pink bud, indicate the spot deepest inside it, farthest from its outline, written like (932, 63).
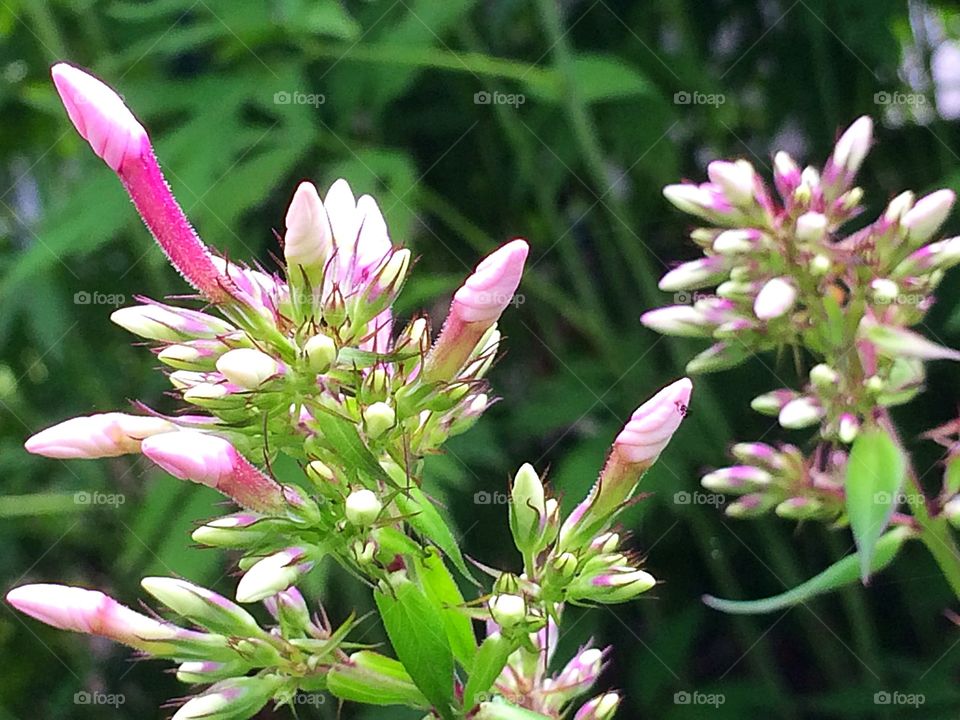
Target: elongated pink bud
(476, 306)
(90, 611)
(635, 449)
(212, 461)
(104, 121)
(96, 436)
(309, 240)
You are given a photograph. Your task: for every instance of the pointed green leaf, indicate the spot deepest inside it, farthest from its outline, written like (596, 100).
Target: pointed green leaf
(875, 474)
(489, 663)
(429, 523)
(420, 640)
(374, 679)
(442, 590)
(842, 572)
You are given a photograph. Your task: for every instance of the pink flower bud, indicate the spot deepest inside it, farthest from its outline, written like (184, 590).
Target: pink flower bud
(96, 436)
(737, 180)
(212, 461)
(103, 120)
(736, 479)
(91, 612)
(309, 239)
(273, 574)
(848, 154)
(706, 201)
(678, 320)
(476, 306)
(695, 274)
(635, 449)
(786, 175)
(923, 220)
(603, 707)
(579, 674)
(776, 298)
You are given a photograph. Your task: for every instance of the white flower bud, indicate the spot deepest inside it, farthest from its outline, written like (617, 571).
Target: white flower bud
(321, 351)
(247, 367)
(362, 507)
(377, 419)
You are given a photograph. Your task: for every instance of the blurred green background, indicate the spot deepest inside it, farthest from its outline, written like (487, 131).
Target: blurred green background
(471, 122)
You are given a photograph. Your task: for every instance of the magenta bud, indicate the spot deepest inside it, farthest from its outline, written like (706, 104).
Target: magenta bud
(96, 436)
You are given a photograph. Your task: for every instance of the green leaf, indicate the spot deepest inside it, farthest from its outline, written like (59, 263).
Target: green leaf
(374, 679)
(489, 663)
(951, 477)
(875, 473)
(442, 590)
(841, 573)
(598, 77)
(427, 521)
(419, 638)
(343, 437)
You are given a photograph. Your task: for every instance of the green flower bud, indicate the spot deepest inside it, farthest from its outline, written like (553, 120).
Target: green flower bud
(362, 507)
(527, 510)
(320, 351)
(377, 419)
(202, 606)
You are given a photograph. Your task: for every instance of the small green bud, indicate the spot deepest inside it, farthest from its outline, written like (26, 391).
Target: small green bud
(527, 509)
(362, 507)
(377, 419)
(320, 352)
(508, 610)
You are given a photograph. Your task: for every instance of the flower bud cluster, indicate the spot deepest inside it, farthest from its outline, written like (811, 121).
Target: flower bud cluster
(780, 270)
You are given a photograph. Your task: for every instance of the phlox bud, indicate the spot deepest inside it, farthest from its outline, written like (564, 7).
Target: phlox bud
(704, 201)
(476, 307)
(800, 413)
(811, 227)
(308, 241)
(615, 585)
(634, 450)
(924, 219)
(378, 418)
(603, 707)
(362, 507)
(210, 460)
(155, 321)
(898, 342)
(202, 672)
(772, 403)
(238, 697)
(92, 612)
(824, 377)
(850, 151)
(786, 174)
(96, 436)
(799, 508)
(248, 368)
(736, 179)
(320, 351)
(508, 610)
(579, 674)
(736, 479)
(848, 429)
(105, 122)
(898, 207)
(748, 506)
(721, 355)
(937, 256)
(272, 574)
(678, 321)
(776, 298)
(233, 531)
(202, 606)
(527, 509)
(695, 274)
